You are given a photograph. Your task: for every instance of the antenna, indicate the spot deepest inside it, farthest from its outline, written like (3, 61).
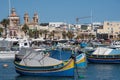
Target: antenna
(9, 7)
(91, 17)
(9, 13)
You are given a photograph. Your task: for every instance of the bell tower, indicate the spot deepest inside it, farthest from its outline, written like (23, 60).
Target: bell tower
(26, 18)
(15, 20)
(35, 18)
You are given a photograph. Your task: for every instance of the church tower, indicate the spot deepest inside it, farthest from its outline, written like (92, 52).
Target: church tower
(14, 24)
(26, 18)
(14, 18)
(35, 18)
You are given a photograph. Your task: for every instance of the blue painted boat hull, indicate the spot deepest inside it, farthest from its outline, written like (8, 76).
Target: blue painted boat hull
(81, 61)
(58, 73)
(82, 65)
(93, 60)
(64, 69)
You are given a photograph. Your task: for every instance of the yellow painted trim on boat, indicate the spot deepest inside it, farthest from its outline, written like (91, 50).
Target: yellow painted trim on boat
(70, 65)
(82, 60)
(67, 64)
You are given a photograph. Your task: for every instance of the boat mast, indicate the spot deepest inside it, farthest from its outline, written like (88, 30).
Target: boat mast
(9, 13)
(91, 17)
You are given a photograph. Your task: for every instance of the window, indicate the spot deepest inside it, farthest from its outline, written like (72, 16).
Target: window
(10, 33)
(108, 24)
(117, 24)
(25, 44)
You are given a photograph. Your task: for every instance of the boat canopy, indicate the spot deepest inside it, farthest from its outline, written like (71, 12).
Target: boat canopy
(106, 51)
(41, 58)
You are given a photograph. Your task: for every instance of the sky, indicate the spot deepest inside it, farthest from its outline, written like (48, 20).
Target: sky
(64, 10)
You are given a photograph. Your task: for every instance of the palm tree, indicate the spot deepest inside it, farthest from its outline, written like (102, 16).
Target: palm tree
(25, 28)
(50, 36)
(1, 30)
(45, 32)
(90, 36)
(118, 36)
(93, 36)
(64, 34)
(36, 33)
(53, 33)
(5, 22)
(70, 34)
(81, 36)
(41, 32)
(31, 33)
(78, 37)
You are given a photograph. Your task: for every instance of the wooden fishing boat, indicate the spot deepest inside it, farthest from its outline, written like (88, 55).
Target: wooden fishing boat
(104, 55)
(80, 57)
(81, 61)
(40, 64)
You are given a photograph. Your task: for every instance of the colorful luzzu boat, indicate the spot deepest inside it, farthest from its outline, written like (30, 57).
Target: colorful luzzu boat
(104, 55)
(81, 60)
(38, 64)
(80, 57)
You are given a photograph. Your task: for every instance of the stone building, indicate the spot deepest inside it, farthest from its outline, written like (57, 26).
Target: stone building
(34, 23)
(14, 18)
(14, 22)
(110, 29)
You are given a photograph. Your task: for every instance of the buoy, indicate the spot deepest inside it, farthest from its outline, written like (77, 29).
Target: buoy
(5, 65)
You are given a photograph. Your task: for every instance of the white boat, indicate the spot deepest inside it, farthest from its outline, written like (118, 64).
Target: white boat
(104, 55)
(115, 45)
(8, 49)
(7, 54)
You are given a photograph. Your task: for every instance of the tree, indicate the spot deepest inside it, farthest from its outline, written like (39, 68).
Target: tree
(93, 36)
(70, 34)
(45, 32)
(25, 28)
(78, 37)
(31, 33)
(53, 33)
(64, 34)
(36, 33)
(5, 22)
(1, 30)
(118, 36)
(41, 32)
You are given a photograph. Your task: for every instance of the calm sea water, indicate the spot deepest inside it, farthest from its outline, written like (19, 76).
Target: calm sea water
(92, 72)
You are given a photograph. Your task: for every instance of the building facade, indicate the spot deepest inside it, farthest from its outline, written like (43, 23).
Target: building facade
(34, 23)
(111, 29)
(14, 22)
(14, 18)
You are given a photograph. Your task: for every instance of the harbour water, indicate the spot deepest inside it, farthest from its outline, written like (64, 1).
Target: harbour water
(92, 72)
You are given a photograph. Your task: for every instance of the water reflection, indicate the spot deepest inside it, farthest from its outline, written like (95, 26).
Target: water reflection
(92, 72)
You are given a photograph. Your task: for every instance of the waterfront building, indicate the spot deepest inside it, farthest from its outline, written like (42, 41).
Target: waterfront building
(96, 25)
(110, 30)
(14, 18)
(34, 23)
(57, 24)
(14, 23)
